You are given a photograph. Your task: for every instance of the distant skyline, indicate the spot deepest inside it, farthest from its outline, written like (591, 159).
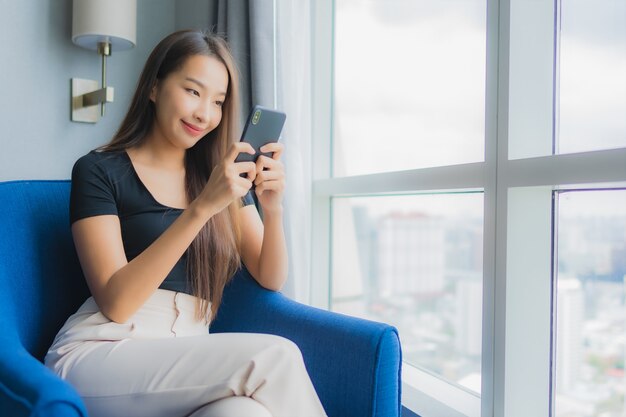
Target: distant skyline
(436, 304)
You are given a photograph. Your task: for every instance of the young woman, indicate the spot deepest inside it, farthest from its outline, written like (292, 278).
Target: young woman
(162, 218)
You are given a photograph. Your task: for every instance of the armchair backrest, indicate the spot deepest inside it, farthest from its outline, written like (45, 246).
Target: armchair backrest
(41, 282)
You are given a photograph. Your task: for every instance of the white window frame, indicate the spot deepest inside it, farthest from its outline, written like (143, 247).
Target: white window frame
(517, 214)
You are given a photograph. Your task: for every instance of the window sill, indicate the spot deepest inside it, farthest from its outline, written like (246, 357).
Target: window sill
(429, 396)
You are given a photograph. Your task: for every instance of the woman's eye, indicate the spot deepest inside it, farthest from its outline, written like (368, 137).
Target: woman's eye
(219, 103)
(192, 91)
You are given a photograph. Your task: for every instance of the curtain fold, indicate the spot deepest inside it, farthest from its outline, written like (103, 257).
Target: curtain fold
(248, 25)
(294, 93)
(271, 43)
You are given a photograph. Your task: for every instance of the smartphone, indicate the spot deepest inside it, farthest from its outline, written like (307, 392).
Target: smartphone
(263, 126)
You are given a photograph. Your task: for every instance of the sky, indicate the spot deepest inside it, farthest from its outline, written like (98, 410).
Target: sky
(409, 84)
(401, 98)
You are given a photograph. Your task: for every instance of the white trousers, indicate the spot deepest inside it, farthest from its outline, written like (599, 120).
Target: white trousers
(163, 362)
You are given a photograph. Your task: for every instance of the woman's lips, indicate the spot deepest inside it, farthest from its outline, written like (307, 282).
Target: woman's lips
(191, 129)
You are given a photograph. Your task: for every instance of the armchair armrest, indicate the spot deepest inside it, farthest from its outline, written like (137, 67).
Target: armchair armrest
(29, 389)
(354, 364)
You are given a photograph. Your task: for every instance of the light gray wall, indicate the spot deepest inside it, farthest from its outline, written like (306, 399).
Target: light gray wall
(194, 14)
(37, 61)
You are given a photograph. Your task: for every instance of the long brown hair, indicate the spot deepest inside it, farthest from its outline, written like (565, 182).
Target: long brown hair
(213, 257)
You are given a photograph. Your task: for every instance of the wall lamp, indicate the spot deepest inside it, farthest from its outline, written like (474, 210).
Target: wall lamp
(102, 26)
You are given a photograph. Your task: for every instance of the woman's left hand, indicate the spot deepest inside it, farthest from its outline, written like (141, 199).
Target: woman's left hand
(270, 178)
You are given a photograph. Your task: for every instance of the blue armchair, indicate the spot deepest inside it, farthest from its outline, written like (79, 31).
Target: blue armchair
(353, 363)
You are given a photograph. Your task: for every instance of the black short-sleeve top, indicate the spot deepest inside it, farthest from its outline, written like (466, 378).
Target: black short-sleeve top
(106, 183)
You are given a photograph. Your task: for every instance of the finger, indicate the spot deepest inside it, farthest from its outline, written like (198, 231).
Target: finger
(272, 147)
(275, 147)
(248, 168)
(238, 147)
(277, 186)
(263, 162)
(244, 166)
(245, 183)
(259, 190)
(268, 176)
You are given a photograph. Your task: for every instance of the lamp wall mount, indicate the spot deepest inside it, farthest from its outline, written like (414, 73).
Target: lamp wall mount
(85, 99)
(86, 96)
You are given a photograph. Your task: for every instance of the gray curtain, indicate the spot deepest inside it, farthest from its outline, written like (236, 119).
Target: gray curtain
(248, 26)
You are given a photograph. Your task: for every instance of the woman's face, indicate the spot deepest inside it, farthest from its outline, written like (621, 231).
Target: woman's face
(189, 101)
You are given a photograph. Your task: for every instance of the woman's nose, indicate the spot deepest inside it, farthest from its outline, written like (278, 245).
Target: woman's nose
(203, 113)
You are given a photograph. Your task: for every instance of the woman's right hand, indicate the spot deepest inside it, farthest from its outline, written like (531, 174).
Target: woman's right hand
(225, 183)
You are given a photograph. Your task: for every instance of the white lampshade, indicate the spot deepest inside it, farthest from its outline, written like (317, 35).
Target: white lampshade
(113, 21)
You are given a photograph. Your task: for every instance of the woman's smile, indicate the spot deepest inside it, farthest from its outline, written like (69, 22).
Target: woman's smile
(192, 129)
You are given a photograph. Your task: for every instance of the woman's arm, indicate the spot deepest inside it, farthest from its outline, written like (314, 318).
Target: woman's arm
(120, 287)
(264, 249)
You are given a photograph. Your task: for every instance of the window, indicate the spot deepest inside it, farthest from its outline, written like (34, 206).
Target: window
(592, 80)
(415, 261)
(409, 84)
(505, 159)
(590, 327)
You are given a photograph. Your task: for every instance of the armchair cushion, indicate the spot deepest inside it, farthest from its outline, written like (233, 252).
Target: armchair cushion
(354, 364)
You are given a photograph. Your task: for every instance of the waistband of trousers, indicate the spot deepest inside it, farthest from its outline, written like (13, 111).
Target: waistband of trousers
(181, 300)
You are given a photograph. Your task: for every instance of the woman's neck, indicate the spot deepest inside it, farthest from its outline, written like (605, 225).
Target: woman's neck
(158, 151)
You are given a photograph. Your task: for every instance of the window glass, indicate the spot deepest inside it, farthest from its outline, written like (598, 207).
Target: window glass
(590, 328)
(592, 100)
(415, 262)
(409, 84)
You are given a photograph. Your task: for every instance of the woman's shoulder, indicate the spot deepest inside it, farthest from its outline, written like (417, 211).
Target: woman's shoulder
(98, 156)
(101, 159)
(100, 163)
